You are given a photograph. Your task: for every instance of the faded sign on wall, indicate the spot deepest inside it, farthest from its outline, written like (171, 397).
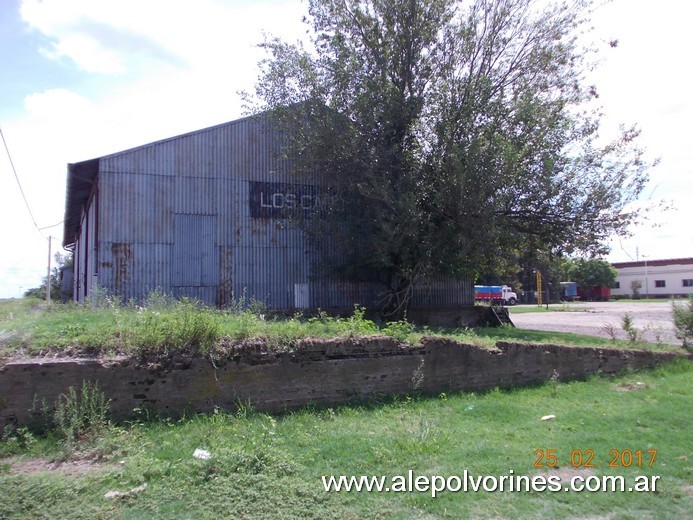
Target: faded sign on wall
(281, 200)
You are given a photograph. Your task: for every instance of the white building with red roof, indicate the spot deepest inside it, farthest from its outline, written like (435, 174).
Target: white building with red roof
(657, 278)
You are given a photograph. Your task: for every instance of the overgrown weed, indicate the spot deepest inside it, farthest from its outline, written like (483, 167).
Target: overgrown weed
(16, 440)
(81, 418)
(628, 325)
(185, 327)
(683, 322)
(356, 325)
(401, 330)
(161, 327)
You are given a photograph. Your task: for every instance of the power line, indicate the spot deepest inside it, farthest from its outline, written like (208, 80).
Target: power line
(9, 156)
(54, 225)
(26, 203)
(623, 249)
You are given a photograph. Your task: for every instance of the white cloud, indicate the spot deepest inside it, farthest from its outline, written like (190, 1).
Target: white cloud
(642, 81)
(40, 143)
(87, 53)
(62, 22)
(56, 103)
(111, 37)
(179, 65)
(156, 68)
(184, 63)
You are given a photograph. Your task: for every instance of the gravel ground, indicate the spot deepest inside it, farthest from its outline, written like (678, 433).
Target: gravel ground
(592, 318)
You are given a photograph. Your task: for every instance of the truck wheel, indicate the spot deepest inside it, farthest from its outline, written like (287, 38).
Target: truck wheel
(512, 301)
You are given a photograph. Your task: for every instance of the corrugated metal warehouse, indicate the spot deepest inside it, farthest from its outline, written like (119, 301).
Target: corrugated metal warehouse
(200, 215)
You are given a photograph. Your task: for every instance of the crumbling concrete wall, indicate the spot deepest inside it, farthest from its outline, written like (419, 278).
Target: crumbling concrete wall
(323, 372)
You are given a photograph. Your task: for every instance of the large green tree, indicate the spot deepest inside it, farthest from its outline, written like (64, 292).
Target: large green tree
(590, 272)
(446, 134)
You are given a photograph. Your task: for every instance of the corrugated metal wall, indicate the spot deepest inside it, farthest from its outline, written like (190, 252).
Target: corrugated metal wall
(86, 252)
(176, 215)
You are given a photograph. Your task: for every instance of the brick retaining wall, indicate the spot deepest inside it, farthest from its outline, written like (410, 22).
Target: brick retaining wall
(323, 372)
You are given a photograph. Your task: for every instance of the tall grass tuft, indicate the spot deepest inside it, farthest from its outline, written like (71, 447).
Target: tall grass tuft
(81, 418)
(181, 327)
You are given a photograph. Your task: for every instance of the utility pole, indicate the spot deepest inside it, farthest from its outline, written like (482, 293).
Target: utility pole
(647, 288)
(48, 276)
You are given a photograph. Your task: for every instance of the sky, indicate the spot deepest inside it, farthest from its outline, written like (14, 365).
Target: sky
(85, 78)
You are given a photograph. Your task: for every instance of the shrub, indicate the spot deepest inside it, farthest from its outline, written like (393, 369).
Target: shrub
(401, 330)
(683, 321)
(610, 330)
(635, 287)
(15, 440)
(629, 328)
(357, 325)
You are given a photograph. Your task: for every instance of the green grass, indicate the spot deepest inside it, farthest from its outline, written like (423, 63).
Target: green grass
(526, 309)
(552, 307)
(651, 299)
(164, 328)
(271, 467)
(559, 338)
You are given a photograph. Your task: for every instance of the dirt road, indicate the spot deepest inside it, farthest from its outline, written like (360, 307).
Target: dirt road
(593, 318)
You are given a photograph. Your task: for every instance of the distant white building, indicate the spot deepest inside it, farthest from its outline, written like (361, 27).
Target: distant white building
(660, 278)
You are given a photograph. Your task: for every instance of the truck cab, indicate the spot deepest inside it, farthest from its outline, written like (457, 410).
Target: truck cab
(502, 294)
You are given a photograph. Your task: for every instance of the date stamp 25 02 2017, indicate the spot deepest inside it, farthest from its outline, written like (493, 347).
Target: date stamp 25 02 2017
(586, 458)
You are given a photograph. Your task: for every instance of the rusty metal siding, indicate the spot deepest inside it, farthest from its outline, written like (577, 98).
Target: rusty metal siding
(78, 268)
(136, 208)
(205, 295)
(86, 252)
(447, 292)
(269, 254)
(195, 257)
(132, 270)
(176, 215)
(153, 159)
(195, 195)
(80, 262)
(226, 203)
(342, 295)
(442, 293)
(202, 173)
(91, 272)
